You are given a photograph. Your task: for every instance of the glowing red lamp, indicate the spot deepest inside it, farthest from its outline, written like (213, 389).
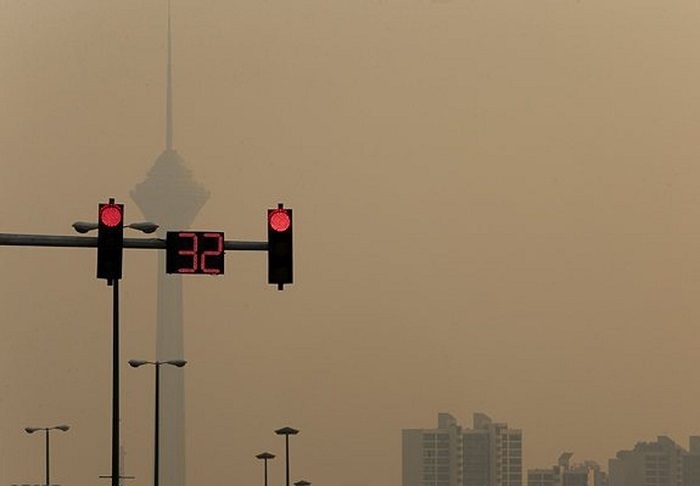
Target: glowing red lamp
(111, 215)
(280, 220)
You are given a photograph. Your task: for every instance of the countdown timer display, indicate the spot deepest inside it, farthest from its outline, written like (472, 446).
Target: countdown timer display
(195, 252)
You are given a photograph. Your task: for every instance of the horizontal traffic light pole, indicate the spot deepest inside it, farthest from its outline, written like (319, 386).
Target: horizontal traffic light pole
(10, 239)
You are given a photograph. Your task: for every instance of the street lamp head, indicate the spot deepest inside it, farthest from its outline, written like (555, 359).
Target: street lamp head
(135, 363)
(302, 483)
(144, 227)
(265, 455)
(176, 362)
(31, 430)
(286, 431)
(84, 227)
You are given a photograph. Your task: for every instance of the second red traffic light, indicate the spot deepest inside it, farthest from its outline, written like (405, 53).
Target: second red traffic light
(280, 257)
(110, 240)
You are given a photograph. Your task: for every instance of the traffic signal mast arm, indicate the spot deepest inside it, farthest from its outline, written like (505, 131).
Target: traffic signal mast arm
(11, 239)
(187, 251)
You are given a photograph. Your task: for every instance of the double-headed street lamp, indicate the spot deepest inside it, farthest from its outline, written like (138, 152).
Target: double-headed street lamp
(144, 227)
(286, 432)
(135, 363)
(265, 456)
(31, 430)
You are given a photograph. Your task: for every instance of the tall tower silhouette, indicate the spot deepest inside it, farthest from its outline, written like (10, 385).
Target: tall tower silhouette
(170, 197)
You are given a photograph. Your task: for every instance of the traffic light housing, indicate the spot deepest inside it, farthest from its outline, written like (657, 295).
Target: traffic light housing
(110, 240)
(280, 256)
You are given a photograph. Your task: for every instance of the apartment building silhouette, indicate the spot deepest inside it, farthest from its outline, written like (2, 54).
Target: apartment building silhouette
(488, 454)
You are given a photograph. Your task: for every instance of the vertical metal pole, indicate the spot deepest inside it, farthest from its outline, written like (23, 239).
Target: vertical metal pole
(265, 471)
(156, 441)
(286, 455)
(115, 383)
(48, 483)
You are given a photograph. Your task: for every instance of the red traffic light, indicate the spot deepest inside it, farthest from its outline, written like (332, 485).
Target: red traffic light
(110, 215)
(280, 220)
(110, 240)
(280, 257)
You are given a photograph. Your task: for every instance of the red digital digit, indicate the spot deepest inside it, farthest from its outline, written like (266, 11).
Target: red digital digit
(189, 253)
(219, 250)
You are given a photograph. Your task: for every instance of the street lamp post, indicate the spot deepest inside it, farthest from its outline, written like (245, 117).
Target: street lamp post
(144, 227)
(135, 363)
(286, 431)
(31, 430)
(265, 456)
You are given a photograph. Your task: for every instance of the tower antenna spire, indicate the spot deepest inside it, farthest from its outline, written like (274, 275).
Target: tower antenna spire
(169, 93)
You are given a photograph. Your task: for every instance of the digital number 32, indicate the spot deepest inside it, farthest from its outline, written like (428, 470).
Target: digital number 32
(200, 261)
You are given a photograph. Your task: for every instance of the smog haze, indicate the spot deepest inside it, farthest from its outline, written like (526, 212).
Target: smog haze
(495, 208)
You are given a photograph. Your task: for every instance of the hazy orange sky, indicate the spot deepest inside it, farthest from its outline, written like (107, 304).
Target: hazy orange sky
(496, 210)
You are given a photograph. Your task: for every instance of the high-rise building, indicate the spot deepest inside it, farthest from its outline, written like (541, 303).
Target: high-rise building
(507, 455)
(476, 457)
(690, 463)
(566, 474)
(431, 457)
(492, 454)
(489, 454)
(657, 463)
(542, 477)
